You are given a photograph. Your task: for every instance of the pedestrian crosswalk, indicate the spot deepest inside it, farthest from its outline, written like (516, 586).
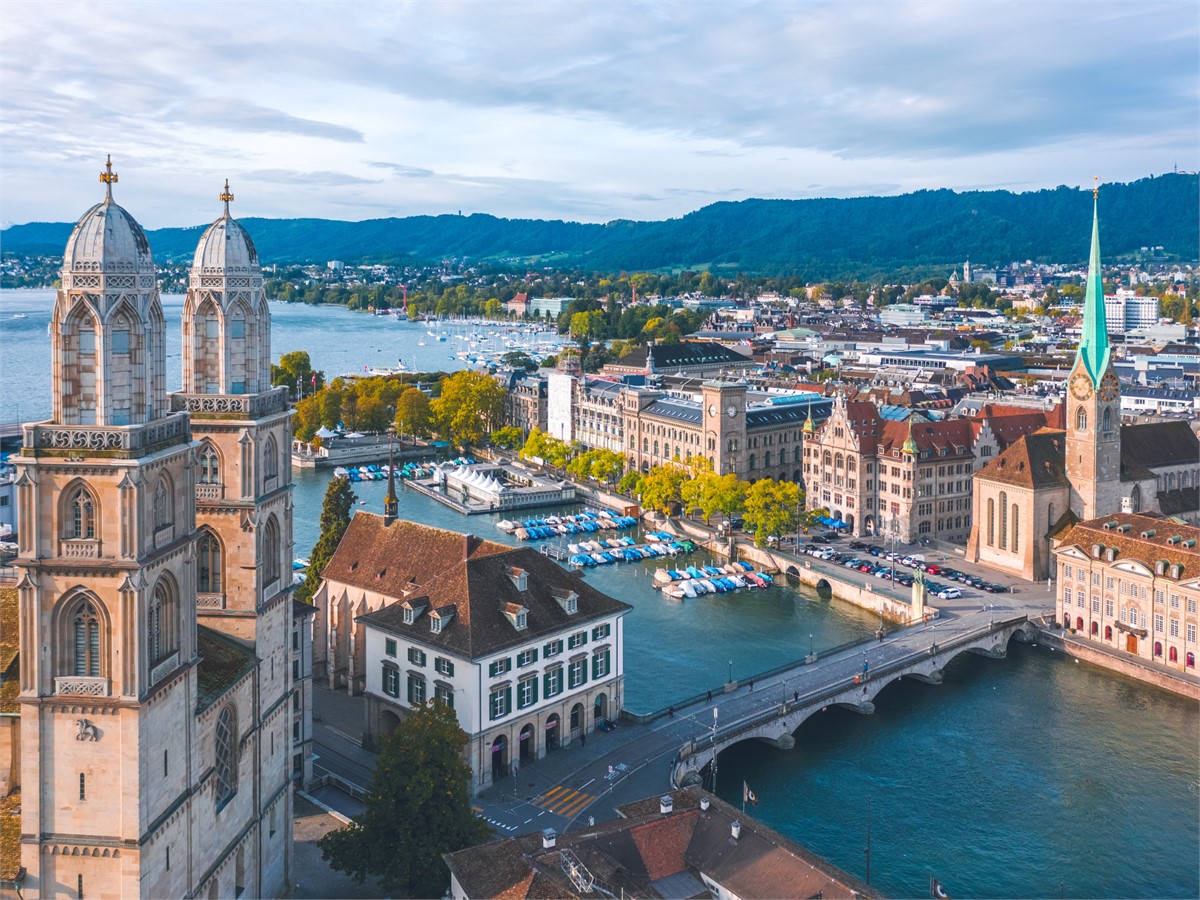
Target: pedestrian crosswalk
(563, 801)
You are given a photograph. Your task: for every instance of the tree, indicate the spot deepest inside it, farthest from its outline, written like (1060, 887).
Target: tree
(660, 488)
(418, 808)
(508, 438)
(335, 517)
(470, 407)
(413, 413)
(770, 507)
(630, 482)
(725, 494)
(296, 371)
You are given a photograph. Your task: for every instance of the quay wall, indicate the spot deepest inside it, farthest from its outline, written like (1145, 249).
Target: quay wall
(860, 595)
(1160, 677)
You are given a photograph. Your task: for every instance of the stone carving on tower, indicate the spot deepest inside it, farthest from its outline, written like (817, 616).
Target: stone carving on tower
(1093, 420)
(154, 750)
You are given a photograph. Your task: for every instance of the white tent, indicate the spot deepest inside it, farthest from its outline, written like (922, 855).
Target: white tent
(324, 433)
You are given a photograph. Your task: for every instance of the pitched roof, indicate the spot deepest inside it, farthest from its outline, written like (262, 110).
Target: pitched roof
(658, 357)
(1034, 460)
(1130, 544)
(406, 561)
(223, 663)
(952, 435)
(1179, 501)
(1157, 444)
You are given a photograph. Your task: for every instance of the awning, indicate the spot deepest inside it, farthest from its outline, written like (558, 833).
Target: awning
(1131, 629)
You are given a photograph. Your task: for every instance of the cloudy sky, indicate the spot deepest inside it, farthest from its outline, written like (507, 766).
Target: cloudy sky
(582, 111)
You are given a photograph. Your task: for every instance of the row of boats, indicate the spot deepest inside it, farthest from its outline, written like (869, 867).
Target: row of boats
(601, 553)
(695, 581)
(407, 470)
(586, 522)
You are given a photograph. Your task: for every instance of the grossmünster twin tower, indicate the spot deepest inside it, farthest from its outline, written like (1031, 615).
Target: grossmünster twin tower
(155, 611)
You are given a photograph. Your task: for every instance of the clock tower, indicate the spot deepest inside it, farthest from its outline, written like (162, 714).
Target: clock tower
(1093, 420)
(724, 422)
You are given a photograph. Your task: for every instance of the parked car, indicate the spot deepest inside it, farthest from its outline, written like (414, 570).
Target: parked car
(950, 593)
(993, 588)
(857, 545)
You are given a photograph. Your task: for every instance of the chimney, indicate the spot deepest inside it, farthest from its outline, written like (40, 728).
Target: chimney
(705, 803)
(736, 830)
(468, 544)
(548, 839)
(665, 804)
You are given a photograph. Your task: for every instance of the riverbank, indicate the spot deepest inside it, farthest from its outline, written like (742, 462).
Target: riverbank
(1161, 677)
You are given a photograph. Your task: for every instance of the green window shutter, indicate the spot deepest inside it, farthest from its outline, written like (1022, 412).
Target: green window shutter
(533, 683)
(507, 700)
(546, 685)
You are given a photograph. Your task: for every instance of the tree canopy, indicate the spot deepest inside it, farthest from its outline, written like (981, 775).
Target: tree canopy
(471, 405)
(418, 808)
(771, 506)
(336, 510)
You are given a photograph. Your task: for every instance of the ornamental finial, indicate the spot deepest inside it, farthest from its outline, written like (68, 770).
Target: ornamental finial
(1095, 187)
(109, 178)
(226, 196)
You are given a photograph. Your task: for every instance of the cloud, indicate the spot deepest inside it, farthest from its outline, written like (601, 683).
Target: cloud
(291, 176)
(240, 116)
(406, 171)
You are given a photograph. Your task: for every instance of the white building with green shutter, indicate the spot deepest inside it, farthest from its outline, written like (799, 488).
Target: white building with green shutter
(529, 656)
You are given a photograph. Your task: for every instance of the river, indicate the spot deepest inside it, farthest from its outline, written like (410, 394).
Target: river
(1033, 776)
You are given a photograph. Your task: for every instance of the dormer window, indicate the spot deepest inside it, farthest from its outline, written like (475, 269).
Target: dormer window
(568, 600)
(1160, 567)
(1110, 554)
(439, 619)
(412, 611)
(1097, 550)
(517, 615)
(1177, 571)
(520, 578)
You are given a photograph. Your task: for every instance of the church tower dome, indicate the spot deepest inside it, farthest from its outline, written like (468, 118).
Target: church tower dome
(108, 331)
(226, 323)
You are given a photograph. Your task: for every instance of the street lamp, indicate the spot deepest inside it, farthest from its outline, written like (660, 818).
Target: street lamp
(810, 644)
(730, 677)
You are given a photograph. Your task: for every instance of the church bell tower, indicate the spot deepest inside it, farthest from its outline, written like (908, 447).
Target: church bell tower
(1093, 440)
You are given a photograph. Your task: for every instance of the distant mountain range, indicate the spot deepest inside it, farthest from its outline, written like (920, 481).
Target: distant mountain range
(815, 239)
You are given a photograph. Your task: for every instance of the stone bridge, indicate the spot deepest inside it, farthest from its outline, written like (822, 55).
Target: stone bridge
(839, 681)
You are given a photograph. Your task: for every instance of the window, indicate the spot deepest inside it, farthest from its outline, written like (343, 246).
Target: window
(443, 666)
(500, 703)
(1108, 608)
(120, 341)
(1191, 632)
(1016, 528)
(1158, 596)
(82, 786)
(577, 674)
(1158, 623)
(1096, 605)
(391, 681)
(164, 507)
(210, 465)
(1003, 520)
(552, 683)
(416, 690)
(82, 508)
(1191, 604)
(226, 755)
(270, 459)
(499, 667)
(1174, 628)
(86, 626)
(160, 624)
(600, 663)
(991, 519)
(416, 657)
(1081, 419)
(577, 640)
(389, 646)
(270, 552)
(208, 552)
(527, 692)
(237, 329)
(526, 658)
(553, 648)
(601, 631)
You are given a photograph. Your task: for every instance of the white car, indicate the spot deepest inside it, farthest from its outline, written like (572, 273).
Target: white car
(949, 594)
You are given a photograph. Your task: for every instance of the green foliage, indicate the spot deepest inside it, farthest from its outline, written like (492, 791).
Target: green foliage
(630, 483)
(335, 517)
(418, 809)
(296, 371)
(413, 413)
(508, 438)
(600, 465)
(548, 449)
(770, 508)
(470, 406)
(661, 488)
(519, 359)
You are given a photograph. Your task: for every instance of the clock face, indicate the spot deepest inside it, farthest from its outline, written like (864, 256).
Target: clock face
(731, 412)
(712, 409)
(1081, 385)
(1110, 388)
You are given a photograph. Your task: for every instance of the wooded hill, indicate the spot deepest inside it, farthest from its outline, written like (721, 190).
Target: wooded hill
(815, 239)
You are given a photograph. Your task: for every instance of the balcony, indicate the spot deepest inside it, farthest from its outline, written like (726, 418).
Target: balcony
(83, 686)
(210, 493)
(210, 601)
(232, 406)
(79, 549)
(164, 668)
(120, 441)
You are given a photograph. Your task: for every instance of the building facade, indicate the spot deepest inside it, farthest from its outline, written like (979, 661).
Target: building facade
(529, 657)
(1132, 583)
(153, 608)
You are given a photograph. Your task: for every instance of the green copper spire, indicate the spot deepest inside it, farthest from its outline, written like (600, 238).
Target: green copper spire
(808, 423)
(910, 446)
(1093, 344)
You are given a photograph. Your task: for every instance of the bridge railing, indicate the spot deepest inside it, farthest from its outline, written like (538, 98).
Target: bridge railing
(741, 726)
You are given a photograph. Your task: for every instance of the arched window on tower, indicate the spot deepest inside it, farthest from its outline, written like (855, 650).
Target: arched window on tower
(991, 522)
(164, 503)
(161, 628)
(208, 554)
(270, 551)
(86, 631)
(225, 756)
(1003, 520)
(80, 518)
(1081, 419)
(1016, 528)
(1135, 499)
(270, 460)
(210, 465)
(1107, 419)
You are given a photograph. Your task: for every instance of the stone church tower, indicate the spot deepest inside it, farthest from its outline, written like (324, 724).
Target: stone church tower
(1093, 438)
(154, 750)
